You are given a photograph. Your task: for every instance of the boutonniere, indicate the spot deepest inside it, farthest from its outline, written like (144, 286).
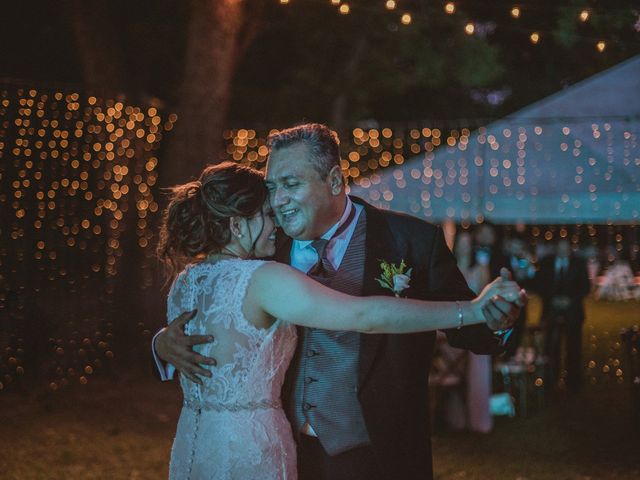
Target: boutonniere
(394, 277)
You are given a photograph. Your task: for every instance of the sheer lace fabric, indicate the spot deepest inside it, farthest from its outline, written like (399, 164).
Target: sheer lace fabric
(233, 426)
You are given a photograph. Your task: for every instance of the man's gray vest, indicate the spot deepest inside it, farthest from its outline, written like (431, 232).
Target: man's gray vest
(326, 381)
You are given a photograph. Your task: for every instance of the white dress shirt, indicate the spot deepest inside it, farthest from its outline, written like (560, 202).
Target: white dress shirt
(304, 256)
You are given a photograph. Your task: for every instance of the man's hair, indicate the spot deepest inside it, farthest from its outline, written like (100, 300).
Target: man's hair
(322, 143)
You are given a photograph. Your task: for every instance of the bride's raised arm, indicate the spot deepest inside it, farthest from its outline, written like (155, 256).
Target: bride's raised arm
(285, 293)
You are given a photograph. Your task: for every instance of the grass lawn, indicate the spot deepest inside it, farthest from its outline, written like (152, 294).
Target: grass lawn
(589, 436)
(122, 428)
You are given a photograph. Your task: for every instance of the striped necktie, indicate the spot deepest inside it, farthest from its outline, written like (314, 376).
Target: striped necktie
(323, 270)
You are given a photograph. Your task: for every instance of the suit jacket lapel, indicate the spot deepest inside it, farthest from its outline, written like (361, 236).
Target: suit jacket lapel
(380, 245)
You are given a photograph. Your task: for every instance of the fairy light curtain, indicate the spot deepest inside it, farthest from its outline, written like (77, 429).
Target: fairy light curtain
(76, 172)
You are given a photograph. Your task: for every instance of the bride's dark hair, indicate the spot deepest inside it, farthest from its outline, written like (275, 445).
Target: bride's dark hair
(196, 221)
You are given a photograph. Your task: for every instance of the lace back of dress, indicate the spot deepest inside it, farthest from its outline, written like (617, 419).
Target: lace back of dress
(244, 363)
(233, 425)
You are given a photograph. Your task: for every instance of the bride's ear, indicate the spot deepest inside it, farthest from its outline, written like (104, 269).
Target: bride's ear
(236, 225)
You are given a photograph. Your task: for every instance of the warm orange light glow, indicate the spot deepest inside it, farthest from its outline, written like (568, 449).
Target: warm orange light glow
(391, 4)
(406, 19)
(534, 37)
(601, 45)
(469, 28)
(344, 9)
(515, 12)
(584, 15)
(450, 8)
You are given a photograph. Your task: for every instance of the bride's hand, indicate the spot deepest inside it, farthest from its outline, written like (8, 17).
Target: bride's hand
(500, 302)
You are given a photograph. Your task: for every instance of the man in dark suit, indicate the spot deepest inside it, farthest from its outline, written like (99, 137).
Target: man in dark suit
(563, 281)
(358, 404)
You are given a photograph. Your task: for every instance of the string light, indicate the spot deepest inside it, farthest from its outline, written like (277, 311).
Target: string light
(74, 166)
(601, 45)
(366, 152)
(471, 27)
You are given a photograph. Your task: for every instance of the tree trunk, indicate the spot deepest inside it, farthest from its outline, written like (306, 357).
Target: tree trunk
(98, 47)
(219, 31)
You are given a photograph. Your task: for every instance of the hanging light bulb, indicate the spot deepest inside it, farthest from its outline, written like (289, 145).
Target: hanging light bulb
(515, 12)
(469, 28)
(450, 8)
(335, 2)
(406, 19)
(601, 45)
(534, 37)
(390, 5)
(584, 15)
(344, 9)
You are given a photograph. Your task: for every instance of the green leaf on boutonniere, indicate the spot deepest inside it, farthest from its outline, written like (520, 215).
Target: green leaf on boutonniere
(384, 283)
(394, 277)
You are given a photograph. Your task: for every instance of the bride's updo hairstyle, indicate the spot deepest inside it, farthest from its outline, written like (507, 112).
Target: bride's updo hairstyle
(196, 221)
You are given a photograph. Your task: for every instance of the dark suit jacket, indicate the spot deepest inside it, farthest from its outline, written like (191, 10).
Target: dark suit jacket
(575, 285)
(394, 369)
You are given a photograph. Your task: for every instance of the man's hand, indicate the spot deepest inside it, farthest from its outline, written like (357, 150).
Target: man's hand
(500, 313)
(174, 347)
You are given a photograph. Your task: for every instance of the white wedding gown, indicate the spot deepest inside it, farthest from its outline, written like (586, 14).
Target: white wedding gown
(233, 426)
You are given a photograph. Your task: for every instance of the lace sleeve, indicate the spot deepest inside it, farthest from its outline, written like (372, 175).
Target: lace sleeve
(181, 296)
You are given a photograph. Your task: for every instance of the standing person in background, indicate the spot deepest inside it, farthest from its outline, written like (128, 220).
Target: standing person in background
(520, 263)
(473, 411)
(488, 254)
(563, 282)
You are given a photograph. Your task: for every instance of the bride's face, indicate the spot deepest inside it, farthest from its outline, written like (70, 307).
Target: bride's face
(265, 245)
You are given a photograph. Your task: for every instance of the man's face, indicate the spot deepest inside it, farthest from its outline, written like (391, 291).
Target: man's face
(303, 202)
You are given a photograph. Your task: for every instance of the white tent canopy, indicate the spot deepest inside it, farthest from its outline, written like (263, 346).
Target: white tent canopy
(570, 158)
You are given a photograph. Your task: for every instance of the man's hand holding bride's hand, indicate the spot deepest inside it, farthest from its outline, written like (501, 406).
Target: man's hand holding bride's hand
(500, 302)
(174, 347)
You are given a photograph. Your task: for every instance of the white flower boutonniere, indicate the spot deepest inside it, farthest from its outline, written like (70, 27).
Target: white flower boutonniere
(394, 277)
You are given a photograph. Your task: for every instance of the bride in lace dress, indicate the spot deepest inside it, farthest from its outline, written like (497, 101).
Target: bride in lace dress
(232, 426)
